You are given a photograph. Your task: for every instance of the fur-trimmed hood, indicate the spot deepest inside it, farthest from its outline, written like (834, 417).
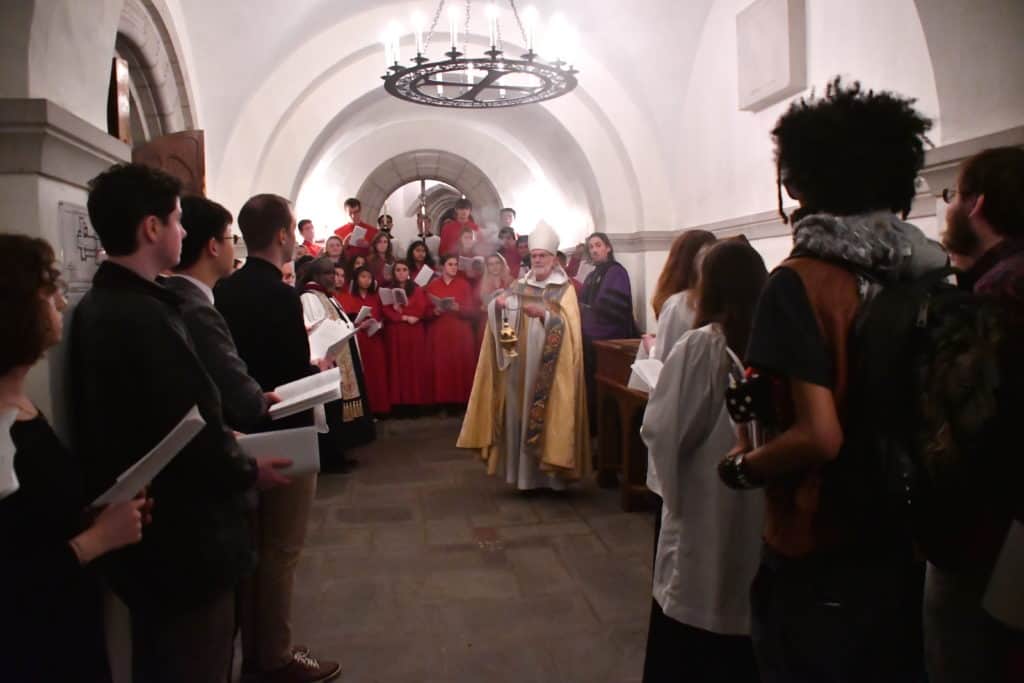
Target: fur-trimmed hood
(878, 243)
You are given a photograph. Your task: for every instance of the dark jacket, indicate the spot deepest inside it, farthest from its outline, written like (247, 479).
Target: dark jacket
(134, 375)
(244, 402)
(265, 318)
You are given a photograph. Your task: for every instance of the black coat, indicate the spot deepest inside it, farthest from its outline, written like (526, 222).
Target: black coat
(134, 375)
(265, 318)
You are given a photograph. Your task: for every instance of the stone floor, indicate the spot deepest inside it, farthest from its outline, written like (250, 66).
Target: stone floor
(420, 568)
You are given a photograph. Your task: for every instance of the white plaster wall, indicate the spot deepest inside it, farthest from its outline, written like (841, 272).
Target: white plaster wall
(727, 167)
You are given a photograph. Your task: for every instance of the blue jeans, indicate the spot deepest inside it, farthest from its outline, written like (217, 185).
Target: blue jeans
(838, 619)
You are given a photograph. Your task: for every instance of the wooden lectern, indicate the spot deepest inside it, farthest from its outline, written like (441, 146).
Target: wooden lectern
(620, 412)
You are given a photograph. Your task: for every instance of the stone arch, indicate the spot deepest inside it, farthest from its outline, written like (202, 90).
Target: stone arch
(438, 199)
(159, 87)
(438, 165)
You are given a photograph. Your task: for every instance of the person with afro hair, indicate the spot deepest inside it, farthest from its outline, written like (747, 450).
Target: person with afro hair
(837, 596)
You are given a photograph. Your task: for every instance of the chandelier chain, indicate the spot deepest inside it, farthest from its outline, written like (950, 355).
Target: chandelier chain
(433, 25)
(522, 29)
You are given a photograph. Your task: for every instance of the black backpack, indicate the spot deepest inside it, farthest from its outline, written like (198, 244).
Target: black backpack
(922, 409)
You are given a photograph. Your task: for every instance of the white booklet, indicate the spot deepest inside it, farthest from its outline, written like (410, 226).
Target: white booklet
(303, 394)
(424, 276)
(1004, 598)
(298, 445)
(144, 471)
(390, 297)
(364, 313)
(8, 478)
(373, 328)
(469, 264)
(327, 339)
(584, 270)
(358, 236)
(648, 370)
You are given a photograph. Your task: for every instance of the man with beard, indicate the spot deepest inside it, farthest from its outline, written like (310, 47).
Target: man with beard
(527, 411)
(985, 236)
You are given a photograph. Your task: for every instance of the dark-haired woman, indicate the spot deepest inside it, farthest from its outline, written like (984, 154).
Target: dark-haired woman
(450, 335)
(417, 256)
(363, 292)
(409, 377)
(349, 419)
(606, 309)
(709, 545)
(51, 626)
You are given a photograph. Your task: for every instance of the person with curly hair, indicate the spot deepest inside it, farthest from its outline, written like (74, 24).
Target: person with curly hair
(837, 596)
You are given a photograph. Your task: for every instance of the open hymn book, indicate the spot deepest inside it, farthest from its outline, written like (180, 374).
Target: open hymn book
(468, 264)
(390, 297)
(145, 469)
(424, 276)
(328, 338)
(301, 446)
(648, 370)
(306, 393)
(445, 304)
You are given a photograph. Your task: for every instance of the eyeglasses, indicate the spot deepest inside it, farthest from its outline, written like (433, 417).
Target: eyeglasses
(948, 195)
(234, 238)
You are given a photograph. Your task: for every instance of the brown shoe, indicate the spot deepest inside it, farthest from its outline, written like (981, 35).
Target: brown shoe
(304, 668)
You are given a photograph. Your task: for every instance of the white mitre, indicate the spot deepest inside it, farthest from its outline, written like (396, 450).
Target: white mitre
(545, 238)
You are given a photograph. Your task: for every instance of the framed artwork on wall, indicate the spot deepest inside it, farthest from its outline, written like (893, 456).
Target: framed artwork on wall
(771, 42)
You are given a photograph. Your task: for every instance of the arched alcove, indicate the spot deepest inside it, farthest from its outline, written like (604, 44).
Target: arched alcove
(439, 165)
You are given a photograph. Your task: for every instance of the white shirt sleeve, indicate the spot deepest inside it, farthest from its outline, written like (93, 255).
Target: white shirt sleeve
(680, 414)
(676, 319)
(312, 310)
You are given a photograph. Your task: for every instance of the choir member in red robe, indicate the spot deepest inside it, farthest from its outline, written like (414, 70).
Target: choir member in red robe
(452, 230)
(381, 260)
(355, 213)
(308, 243)
(508, 250)
(410, 382)
(450, 335)
(334, 247)
(372, 348)
(417, 256)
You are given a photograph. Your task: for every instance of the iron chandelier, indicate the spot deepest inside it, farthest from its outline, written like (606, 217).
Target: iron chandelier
(487, 82)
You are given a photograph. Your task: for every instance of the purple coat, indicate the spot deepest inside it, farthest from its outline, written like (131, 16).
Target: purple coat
(606, 304)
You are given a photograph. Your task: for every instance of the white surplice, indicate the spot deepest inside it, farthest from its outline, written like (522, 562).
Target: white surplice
(676, 318)
(523, 471)
(709, 547)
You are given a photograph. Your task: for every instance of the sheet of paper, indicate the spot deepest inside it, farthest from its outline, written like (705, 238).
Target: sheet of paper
(307, 392)
(387, 297)
(373, 328)
(298, 445)
(648, 370)
(328, 338)
(445, 304)
(424, 276)
(364, 313)
(8, 478)
(144, 471)
(1004, 599)
(358, 236)
(469, 264)
(585, 269)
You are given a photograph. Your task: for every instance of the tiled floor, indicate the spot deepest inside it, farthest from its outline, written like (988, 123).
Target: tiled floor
(420, 568)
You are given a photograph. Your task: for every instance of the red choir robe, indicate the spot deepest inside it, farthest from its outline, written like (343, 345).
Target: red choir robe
(452, 342)
(383, 275)
(372, 350)
(410, 380)
(312, 248)
(351, 251)
(451, 233)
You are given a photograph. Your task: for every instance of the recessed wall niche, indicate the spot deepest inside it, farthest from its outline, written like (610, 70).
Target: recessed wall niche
(771, 42)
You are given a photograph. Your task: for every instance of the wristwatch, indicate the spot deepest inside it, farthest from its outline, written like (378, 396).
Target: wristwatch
(735, 473)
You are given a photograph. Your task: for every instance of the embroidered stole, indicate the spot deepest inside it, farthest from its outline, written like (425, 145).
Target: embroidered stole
(351, 399)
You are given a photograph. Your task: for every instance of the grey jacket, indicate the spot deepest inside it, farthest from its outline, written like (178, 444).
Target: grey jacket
(244, 404)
